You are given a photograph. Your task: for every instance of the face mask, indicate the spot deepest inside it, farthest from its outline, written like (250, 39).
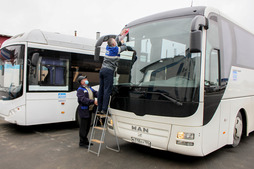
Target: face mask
(86, 82)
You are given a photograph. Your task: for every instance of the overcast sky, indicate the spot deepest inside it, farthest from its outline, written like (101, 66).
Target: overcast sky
(105, 16)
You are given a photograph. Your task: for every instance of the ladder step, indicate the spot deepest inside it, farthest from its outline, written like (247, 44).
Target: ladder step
(97, 141)
(101, 115)
(99, 128)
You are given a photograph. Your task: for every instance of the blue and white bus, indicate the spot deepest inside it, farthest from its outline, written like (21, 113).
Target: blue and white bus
(189, 86)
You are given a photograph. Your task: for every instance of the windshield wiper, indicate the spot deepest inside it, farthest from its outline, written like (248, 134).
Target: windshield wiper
(162, 94)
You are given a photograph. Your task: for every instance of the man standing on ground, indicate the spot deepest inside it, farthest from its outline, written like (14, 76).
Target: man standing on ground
(86, 99)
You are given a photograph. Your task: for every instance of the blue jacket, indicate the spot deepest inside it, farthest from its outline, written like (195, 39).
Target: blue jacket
(112, 51)
(84, 101)
(112, 56)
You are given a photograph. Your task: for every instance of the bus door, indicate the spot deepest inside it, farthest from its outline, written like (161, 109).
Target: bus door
(214, 109)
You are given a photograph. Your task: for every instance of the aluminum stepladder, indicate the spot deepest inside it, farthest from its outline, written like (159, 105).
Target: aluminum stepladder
(102, 128)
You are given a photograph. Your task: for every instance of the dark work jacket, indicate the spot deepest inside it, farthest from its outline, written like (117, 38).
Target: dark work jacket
(84, 101)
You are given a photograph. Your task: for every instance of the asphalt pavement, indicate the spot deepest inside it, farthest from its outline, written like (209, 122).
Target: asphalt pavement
(56, 146)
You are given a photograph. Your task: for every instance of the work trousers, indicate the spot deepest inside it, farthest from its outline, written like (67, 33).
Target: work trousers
(84, 130)
(106, 85)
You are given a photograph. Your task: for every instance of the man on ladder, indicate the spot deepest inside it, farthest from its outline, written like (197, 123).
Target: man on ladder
(107, 71)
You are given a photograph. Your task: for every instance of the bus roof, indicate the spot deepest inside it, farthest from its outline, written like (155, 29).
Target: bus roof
(196, 10)
(168, 14)
(53, 39)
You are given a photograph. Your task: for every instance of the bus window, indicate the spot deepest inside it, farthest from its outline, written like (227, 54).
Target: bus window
(51, 72)
(212, 80)
(212, 69)
(83, 64)
(11, 72)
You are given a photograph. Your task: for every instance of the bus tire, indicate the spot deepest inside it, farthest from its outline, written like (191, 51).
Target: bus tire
(77, 118)
(238, 130)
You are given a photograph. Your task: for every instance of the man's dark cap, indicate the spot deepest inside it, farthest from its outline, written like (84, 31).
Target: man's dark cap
(81, 78)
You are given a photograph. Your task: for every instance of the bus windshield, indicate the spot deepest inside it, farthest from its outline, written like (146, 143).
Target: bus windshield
(11, 72)
(161, 57)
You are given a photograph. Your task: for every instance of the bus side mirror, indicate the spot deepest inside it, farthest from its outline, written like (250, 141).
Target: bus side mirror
(197, 24)
(98, 44)
(35, 59)
(195, 41)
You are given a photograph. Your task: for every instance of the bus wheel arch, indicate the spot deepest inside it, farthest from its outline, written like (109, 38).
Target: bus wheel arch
(239, 127)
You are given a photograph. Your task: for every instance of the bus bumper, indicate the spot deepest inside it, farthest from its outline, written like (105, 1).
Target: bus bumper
(15, 116)
(158, 135)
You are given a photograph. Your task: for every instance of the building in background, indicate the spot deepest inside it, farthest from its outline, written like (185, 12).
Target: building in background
(3, 38)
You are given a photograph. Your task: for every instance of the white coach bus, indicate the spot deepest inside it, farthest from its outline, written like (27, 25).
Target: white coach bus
(38, 72)
(189, 87)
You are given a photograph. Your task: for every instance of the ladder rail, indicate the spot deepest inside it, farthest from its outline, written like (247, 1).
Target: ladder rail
(117, 142)
(92, 132)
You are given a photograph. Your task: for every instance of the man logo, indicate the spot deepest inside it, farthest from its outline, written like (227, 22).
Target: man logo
(140, 129)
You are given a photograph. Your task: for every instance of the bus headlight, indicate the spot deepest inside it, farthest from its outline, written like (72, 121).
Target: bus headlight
(187, 136)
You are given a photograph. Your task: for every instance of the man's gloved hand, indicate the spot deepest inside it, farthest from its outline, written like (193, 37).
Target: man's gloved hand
(120, 44)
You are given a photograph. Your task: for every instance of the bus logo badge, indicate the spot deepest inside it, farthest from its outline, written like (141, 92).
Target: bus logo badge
(140, 129)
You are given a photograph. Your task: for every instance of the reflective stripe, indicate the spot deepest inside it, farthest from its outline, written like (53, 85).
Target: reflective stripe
(84, 107)
(84, 89)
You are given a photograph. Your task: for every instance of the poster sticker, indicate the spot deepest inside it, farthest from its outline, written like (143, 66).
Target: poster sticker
(61, 97)
(234, 75)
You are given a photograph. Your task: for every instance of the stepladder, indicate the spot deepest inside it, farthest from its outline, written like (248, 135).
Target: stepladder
(98, 134)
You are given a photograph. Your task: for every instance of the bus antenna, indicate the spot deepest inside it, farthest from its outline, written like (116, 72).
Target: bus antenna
(191, 3)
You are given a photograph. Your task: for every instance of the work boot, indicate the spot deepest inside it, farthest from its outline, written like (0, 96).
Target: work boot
(101, 112)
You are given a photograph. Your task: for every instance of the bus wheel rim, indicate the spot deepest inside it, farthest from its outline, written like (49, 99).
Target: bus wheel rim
(238, 128)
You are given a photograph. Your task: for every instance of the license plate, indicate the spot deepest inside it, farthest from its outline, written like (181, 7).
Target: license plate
(140, 141)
